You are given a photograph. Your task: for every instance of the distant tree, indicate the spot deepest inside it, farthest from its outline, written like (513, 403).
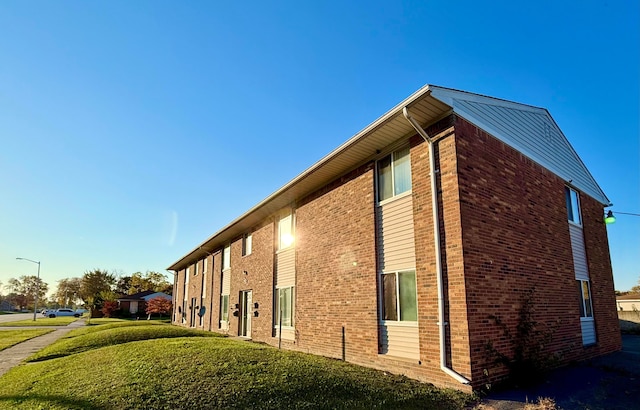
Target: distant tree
(123, 285)
(158, 305)
(636, 289)
(149, 280)
(25, 289)
(93, 285)
(109, 307)
(68, 292)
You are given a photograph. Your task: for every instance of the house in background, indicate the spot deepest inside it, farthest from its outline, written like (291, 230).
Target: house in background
(6, 306)
(628, 303)
(399, 249)
(137, 303)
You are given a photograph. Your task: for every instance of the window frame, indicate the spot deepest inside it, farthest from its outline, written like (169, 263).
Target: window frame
(586, 305)
(572, 201)
(398, 297)
(224, 313)
(277, 303)
(226, 257)
(290, 216)
(392, 164)
(247, 244)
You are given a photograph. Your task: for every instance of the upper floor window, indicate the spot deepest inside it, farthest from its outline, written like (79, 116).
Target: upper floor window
(247, 240)
(285, 232)
(394, 174)
(204, 265)
(573, 205)
(226, 257)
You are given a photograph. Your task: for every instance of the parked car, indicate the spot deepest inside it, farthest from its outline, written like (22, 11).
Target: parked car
(63, 312)
(44, 312)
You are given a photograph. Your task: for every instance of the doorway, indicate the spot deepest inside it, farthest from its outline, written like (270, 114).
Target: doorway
(246, 305)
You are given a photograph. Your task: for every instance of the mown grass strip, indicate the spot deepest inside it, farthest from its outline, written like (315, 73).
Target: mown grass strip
(10, 338)
(104, 336)
(206, 373)
(111, 325)
(43, 321)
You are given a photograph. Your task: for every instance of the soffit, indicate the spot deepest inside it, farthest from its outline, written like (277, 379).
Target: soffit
(359, 149)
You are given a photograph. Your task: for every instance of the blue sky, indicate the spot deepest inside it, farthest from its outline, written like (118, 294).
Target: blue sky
(132, 131)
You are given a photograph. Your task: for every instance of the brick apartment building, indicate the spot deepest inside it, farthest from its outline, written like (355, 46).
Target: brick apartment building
(345, 260)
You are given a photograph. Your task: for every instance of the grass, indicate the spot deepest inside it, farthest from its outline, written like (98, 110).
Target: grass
(43, 321)
(10, 338)
(108, 335)
(204, 373)
(6, 313)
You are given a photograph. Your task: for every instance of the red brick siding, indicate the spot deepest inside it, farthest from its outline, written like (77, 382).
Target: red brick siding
(258, 279)
(516, 239)
(336, 269)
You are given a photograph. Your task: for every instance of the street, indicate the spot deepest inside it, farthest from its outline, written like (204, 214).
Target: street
(15, 317)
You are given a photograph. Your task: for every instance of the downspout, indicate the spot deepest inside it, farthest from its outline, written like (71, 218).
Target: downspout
(436, 239)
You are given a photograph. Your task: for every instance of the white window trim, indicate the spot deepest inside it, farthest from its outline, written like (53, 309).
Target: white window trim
(412, 323)
(247, 239)
(290, 214)
(293, 310)
(226, 262)
(579, 205)
(393, 174)
(395, 198)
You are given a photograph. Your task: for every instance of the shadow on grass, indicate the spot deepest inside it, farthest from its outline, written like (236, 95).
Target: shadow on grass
(41, 400)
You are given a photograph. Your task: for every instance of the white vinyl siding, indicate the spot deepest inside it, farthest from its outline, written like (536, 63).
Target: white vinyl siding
(286, 268)
(530, 130)
(400, 339)
(398, 329)
(396, 242)
(581, 269)
(579, 252)
(226, 283)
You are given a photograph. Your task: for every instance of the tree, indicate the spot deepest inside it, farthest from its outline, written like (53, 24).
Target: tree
(93, 285)
(158, 305)
(25, 289)
(108, 307)
(636, 289)
(139, 282)
(68, 292)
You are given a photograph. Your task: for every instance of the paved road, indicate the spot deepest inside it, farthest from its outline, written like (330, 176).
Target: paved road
(15, 317)
(610, 382)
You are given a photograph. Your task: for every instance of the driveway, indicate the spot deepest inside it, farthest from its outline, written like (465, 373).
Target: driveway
(610, 382)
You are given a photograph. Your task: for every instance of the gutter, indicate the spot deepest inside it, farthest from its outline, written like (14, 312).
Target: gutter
(436, 240)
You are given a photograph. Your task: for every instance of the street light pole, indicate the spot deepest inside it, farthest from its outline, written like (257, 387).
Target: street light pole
(35, 301)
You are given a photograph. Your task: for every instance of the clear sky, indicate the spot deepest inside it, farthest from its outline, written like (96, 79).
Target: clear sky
(130, 131)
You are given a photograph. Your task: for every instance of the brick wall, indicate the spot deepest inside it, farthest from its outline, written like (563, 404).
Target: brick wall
(258, 278)
(516, 241)
(336, 269)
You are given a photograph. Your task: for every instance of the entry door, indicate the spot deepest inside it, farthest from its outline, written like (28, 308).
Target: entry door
(246, 305)
(193, 313)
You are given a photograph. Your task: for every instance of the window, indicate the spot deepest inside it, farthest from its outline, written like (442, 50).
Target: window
(399, 300)
(573, 205)
(204, 265)
(224, 308)
(186, 276)
(584, 291)
(247, 240)
(394, 174)
(284, 306)
(285, 232)
(226, 257)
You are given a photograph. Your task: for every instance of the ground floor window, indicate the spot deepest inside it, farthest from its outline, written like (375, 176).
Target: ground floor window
(399, 297)
(584, 291)
(284, 306)
(224, 308)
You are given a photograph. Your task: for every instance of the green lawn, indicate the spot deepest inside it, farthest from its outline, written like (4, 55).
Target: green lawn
(6, 313)
(198, 372)
(43, 321)
(10, 338)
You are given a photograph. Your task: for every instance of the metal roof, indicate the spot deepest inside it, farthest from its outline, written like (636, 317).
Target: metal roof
(427, 105)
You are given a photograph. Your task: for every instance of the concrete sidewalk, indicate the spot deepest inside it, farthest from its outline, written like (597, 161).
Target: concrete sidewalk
(12, 356)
